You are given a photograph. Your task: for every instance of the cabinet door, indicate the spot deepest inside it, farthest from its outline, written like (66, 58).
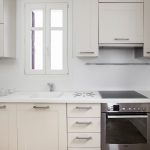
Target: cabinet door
(8, 127)
(1, 11)
(147, 28)
(120, 22)
(85, 23)
(42, 127)
(1, 40)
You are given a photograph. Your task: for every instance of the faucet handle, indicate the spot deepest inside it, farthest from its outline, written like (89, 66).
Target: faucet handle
(51, 86)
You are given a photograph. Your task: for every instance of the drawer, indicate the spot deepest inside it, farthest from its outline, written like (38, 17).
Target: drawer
(83, 149)
(84, 140)
(83, 110)
(84, 125)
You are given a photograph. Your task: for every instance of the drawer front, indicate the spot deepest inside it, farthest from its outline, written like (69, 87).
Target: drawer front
(84, 140)
(83, 124)
(83, 110)
(83, 149)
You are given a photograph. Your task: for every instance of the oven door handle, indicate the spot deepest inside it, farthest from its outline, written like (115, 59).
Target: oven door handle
(126, 116)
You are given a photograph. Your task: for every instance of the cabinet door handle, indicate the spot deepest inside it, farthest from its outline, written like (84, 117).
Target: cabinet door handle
(121, 39)
(83, 123)
(83, 138)
(41, 107)
(83, 108)
(86, 52)
(148, 52)
(3, 107)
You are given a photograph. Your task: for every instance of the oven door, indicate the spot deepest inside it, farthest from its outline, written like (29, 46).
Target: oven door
(125, 131)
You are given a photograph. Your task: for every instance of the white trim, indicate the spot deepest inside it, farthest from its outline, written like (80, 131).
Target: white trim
(46, 56)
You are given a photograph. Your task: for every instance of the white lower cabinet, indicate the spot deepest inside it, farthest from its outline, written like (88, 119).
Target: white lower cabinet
(84, 140)
(8, 127)
(85, 149)
(84, 126)
(42, 127)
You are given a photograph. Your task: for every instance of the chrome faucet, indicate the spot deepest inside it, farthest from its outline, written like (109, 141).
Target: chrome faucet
(51, 86)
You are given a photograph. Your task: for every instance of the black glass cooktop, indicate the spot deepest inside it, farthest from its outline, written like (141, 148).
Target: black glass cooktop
(121, 94)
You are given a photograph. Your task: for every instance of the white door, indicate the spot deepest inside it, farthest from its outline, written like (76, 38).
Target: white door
(1, 11)
(42, 127)
(85, 23)
(1, 40)
(121, 22)
(8, 127)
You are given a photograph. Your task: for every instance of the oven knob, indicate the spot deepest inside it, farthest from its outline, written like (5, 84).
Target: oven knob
(134, 108)
(143, 109)
(139, 109)
(130, 109)
(123, 109)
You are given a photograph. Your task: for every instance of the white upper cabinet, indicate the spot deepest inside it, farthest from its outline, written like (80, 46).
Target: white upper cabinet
(42, 127)
(121, 23)
(147, 28)
(1, 11)
(1, 39)
(85, 27)
(7, 28)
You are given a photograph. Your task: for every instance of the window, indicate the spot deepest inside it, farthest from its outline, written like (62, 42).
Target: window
(46, 38)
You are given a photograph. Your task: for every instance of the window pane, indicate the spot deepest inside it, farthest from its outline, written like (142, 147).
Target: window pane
(56, 18)
(37, 50)
(37, 18)
(56, 50)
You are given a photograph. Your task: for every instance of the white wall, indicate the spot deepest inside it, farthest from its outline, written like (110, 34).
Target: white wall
(81, 76)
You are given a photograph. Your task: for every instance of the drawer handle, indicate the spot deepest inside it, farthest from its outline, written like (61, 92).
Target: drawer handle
(148, 52)
(121, 39)
(41, 107)
(84, 138)
(3, 107)
(86, 52)
(83, 123)
(84, 108)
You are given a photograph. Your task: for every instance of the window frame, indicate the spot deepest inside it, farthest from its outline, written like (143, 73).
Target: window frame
(46, 7)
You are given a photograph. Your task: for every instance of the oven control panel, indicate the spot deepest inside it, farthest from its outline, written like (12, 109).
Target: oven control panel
(126, 108)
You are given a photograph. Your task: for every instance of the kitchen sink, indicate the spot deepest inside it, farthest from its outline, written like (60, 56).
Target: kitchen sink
(46, 94)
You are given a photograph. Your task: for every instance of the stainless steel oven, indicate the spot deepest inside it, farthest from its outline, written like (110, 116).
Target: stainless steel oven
(125, 126)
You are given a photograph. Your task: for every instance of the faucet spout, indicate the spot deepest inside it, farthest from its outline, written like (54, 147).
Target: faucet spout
(51, 86)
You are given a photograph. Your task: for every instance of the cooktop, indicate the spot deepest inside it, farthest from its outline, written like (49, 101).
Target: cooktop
(121, 94)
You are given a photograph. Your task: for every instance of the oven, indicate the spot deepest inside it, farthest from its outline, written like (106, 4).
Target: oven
(125, 126)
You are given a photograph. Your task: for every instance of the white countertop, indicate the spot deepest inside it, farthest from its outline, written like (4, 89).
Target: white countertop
(66, 97)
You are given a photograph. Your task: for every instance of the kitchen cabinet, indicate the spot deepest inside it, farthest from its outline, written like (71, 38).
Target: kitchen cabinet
(121, 23)
(42, 127)
(85, 28)
(7, 28)
(84, 126)
(8, 127)
(1, 11)
(146, 28)
(1, 39)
